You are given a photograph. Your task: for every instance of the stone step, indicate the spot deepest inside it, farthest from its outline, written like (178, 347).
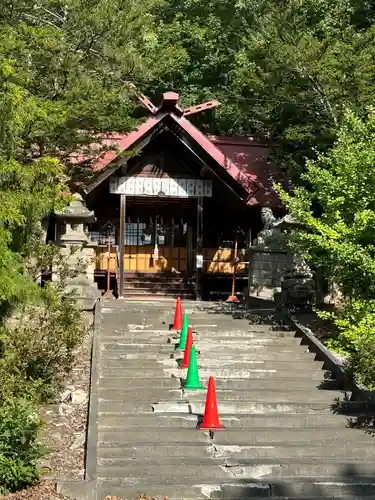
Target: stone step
(120, 348)
(347, 451)
(117, 361)
(122, 336)
(140, 394)
(177, 473)
(162, 283)
(254, 343)
(241, 355)
(285, 420)
(223, 395)
(328, 488)
(158, 491)
(233, 454)
(158, 339)
(158, 370)
(265, 396)
(118, 438)
(307, 490)
(171, 473)
(223, 356)
(237, 407)
(151, 293)
(222, 383)
(145, 365)
(128, 337)
(133, 383)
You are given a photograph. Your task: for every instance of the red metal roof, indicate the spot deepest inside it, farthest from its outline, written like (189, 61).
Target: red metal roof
(241, 157)
(251, 157)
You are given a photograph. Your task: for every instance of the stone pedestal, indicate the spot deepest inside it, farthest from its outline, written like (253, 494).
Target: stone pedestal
(298, 287)
(275, 272)
(268, 261)
(78, 252)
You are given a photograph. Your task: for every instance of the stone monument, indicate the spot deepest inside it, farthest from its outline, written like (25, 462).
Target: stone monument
(79, 251)
(275, 266)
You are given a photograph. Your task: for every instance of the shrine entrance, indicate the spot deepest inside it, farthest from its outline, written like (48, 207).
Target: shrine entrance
(159, 236)
(177, 208)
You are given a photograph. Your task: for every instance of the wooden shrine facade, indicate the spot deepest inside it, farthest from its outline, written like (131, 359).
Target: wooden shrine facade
(177, 205)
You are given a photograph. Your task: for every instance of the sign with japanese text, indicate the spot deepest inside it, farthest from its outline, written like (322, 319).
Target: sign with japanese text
(153, 186)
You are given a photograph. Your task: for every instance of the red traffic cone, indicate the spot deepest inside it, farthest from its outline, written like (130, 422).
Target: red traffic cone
(211, 415)
(189, 343)
(177, 322)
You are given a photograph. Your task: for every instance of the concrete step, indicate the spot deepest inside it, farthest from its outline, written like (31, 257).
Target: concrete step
(223, 395)
(139, 394)
(177, 473)
(222, 383)
(266, 396)
(145, 365)
(327, 488)
(206, 338)
(126, 383)
(149, 473)
(347, 451)
(273, 436)
(155, 338)
(127, 337)
(241, 455)
(158, 491)
(306, 490)
(283, 421)
(151, 293)
(158, 369)
(246, 407)
(122, 348)
(118, 361)
(225, 355)
(119, 438)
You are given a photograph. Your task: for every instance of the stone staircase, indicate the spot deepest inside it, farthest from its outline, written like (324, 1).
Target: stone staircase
(149, 286)
(288, 424)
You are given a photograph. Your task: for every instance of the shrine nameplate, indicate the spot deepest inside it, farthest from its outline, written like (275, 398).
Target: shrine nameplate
(153, 186)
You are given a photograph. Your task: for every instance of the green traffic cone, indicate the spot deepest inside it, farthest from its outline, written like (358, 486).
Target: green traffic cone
(192, 379)
(184, 332)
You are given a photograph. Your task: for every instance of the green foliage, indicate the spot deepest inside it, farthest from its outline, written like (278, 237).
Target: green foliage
(356, 323)
(38, 350)
(282, 70)
(337, 210)
(65, 63)
(361, 364)
(20, 447)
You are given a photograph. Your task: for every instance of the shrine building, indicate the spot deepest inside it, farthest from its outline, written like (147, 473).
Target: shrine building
(175, 209)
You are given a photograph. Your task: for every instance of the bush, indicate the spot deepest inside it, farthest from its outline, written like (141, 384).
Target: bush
(355, 323)
(20, 448)
(39, 347)
(361, 364)
(355, 337)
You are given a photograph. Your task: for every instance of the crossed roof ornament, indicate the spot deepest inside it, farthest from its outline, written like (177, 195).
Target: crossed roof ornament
(173, 98)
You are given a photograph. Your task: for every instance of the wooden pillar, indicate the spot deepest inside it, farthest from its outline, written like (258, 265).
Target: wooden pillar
(199, 246)
(122, 245)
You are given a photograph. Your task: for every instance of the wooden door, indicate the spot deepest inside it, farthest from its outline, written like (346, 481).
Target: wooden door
(141, 235)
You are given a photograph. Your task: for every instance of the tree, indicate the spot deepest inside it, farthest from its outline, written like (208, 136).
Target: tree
(283, 70)
(337, 210)
(71, 60)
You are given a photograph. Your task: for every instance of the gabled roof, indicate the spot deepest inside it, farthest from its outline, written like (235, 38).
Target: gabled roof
(254, 191)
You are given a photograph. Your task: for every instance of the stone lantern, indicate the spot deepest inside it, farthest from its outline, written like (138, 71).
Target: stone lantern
(73, 238)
